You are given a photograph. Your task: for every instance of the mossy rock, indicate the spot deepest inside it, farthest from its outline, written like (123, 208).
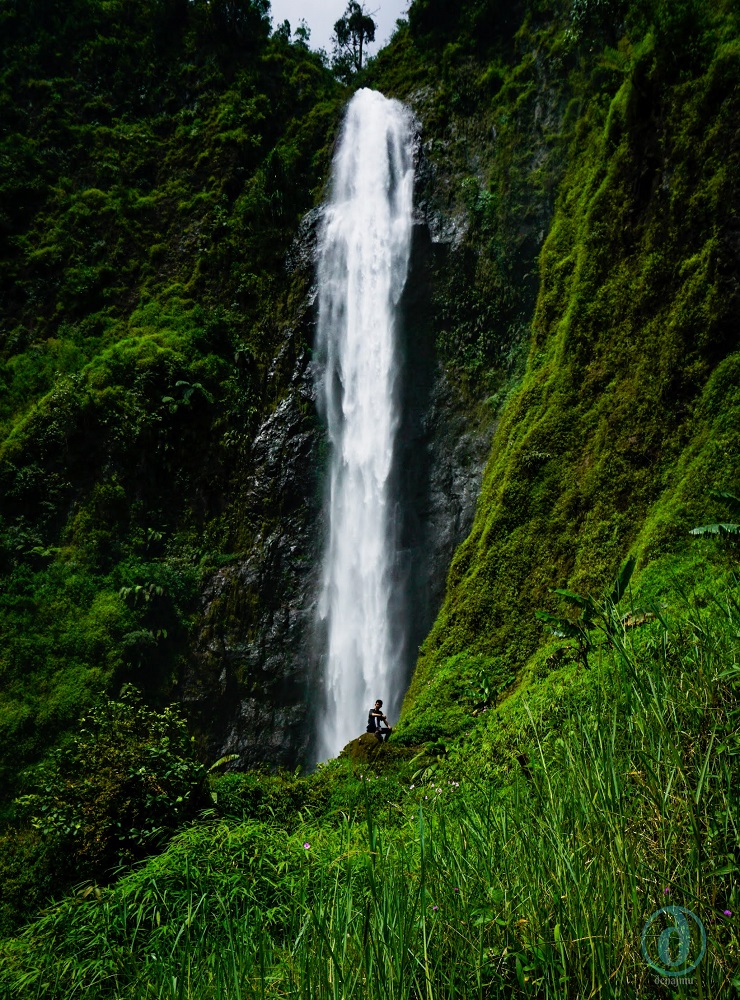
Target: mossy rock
(370, 749)
(366, 749)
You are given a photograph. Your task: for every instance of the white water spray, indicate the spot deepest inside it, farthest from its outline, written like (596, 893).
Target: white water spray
(364, 256)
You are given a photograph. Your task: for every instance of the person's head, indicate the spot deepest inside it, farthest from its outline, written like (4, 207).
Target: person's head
(378, 703)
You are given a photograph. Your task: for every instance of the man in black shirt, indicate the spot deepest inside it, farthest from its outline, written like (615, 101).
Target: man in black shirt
(374, 719)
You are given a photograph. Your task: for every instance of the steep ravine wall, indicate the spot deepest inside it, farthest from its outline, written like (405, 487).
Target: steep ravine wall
(627, 413)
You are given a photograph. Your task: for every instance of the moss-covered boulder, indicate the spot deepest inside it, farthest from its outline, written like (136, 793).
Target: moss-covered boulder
(383, 756)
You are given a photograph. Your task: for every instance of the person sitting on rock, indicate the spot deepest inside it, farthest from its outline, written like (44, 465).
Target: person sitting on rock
(374, 719)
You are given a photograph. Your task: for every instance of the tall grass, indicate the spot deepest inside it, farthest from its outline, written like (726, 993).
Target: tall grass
(537, 890)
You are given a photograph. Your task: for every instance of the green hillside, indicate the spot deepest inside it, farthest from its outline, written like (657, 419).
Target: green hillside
(156, 164)
(627, 412)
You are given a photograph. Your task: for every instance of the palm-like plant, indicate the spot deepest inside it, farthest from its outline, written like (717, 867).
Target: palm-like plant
(723, 529)
(594, 617)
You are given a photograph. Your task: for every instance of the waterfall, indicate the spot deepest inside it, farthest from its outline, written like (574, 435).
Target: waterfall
(363, 263)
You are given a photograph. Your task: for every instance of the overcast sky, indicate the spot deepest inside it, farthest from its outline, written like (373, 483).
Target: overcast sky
(320, 16)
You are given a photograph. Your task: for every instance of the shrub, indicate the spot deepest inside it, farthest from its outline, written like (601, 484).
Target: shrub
(118, 788)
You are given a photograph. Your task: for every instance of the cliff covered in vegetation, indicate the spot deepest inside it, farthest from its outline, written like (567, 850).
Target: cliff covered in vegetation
(156, 165)
(625, 416)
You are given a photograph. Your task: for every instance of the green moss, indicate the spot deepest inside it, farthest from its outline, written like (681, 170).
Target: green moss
(628, 410)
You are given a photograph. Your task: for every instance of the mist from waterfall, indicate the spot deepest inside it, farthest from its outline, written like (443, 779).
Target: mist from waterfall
(363, 262)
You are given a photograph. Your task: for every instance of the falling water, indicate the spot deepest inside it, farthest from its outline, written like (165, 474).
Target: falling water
(364, 255)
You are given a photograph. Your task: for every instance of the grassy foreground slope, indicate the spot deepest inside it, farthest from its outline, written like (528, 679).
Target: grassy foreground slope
(409, 878)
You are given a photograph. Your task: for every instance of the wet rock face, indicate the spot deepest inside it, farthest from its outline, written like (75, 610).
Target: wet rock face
(254, 682)
(250, 684)
(442, 447)
(460, 444)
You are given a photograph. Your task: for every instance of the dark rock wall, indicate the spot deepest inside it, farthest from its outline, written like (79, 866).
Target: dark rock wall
(250, 682)
(253, 684)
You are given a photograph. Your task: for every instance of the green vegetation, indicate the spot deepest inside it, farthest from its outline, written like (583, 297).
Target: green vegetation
(109, 795)
(627, 410)
(542, 795)
(438, 883)
(145, 218)
(724, 529)
(145, 215)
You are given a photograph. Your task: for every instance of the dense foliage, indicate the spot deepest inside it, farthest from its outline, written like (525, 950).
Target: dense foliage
(112, 793)
(146, 213)
(123, 782)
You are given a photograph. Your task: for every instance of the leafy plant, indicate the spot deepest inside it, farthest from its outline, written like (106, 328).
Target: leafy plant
(594, 617)
(118, 788)
(722, 529)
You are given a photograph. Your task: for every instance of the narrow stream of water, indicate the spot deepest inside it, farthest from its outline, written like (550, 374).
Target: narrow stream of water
(363, 264)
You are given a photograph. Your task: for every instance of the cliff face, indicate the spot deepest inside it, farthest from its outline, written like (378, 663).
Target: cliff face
(625, 415)
(253, 664)
(253, 681)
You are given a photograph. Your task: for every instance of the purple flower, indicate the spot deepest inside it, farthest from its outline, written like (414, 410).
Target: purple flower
(307, 846)
(435, 907)
(666, 890)
(727, 913)
(456, 889)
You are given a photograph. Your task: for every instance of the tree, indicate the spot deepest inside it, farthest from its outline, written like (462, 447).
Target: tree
(302, 34)
(351, 32)
(243, 21)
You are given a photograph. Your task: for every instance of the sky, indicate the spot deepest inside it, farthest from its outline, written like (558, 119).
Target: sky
(320, 16)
